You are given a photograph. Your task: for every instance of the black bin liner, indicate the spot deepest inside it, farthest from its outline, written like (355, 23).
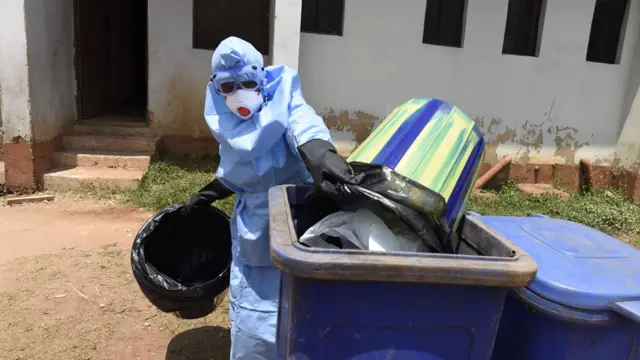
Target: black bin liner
(181, 260)
(380, 188)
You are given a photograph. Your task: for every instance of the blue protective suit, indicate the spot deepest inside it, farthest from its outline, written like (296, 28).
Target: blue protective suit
(255, 155)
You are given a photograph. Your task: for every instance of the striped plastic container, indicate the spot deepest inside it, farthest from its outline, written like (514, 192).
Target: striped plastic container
(433, 143)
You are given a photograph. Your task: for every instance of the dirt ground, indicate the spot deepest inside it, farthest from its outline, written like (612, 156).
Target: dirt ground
(67, 292)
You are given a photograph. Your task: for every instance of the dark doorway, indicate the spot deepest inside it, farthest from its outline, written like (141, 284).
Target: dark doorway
(111, 58)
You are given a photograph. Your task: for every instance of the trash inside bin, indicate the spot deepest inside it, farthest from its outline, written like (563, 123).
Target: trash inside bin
(585, 301)
(363, 229)
(385, 192)
(352, 304)
(181, 260)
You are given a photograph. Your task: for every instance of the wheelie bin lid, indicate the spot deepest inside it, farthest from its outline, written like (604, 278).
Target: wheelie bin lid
(578, 267)
(488, 260)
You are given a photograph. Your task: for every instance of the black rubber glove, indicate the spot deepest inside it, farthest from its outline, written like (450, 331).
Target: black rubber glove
(213, 191)
(325, 165)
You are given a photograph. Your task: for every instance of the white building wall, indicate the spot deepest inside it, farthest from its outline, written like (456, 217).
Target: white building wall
(36, 76)
(285, 32)
(14, 72)
(552, 109)
(38, 84)
(628, 149)
(49, 25)
(178, 73)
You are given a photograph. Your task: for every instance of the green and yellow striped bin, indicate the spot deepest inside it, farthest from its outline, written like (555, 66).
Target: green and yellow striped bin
(432, 143)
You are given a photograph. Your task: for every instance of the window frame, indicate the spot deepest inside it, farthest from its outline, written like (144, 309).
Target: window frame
(433, 32)
(312, 12)
(592, 50)
(519, 40)
(255, 35)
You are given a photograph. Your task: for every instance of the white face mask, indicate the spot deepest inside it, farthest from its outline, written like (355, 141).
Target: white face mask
(244, 103)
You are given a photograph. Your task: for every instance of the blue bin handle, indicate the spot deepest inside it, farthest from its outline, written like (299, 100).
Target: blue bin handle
(628, 309)
(540, 216)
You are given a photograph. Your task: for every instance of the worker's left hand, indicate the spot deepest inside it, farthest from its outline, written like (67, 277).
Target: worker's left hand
(325, 165)
(213, 191)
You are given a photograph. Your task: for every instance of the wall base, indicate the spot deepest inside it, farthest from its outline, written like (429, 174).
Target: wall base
(566, 176)
(25, 164)
(629, 182)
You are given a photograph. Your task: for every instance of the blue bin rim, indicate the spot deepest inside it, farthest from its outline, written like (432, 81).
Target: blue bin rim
(563, 312)
(292, 258)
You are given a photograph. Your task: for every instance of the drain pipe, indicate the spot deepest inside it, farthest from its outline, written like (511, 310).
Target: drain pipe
(492, 172)
(586, 170)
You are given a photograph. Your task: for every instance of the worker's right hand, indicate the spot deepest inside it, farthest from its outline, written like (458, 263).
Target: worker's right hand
(327, 168)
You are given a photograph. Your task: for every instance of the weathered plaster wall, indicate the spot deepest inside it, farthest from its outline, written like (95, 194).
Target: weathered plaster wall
(555, 108)
(14, 76)
(36, 69)
(178, 74)
(49, 29)
(1, 131)
(628, 147)
(36, 80)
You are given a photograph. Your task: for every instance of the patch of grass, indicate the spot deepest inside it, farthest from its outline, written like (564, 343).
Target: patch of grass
(110, 253)
(609, 211)
(172, 181)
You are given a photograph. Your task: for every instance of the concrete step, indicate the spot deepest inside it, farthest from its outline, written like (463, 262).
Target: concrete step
(103, 159)
(113, 128)
(108, 143)
(63, 179)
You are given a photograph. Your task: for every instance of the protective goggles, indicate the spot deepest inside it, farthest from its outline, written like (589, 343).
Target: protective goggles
(229, 87)
(228, 81)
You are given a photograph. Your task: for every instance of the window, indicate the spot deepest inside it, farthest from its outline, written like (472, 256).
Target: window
(523, 27)
(444, 22)
(322, 17)
(606, 31)
(215, 20)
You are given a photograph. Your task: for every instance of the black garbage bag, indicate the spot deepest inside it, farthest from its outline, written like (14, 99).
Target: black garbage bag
(181, 259)
(379, 187)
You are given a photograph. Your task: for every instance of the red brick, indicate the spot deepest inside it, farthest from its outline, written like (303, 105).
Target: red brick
(19, 166)
(25, 164)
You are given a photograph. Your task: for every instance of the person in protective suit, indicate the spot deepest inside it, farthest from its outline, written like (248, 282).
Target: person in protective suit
(268, 136)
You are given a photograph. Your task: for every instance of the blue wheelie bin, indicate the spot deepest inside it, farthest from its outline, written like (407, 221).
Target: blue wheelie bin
(351, 304)
(585, 301)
